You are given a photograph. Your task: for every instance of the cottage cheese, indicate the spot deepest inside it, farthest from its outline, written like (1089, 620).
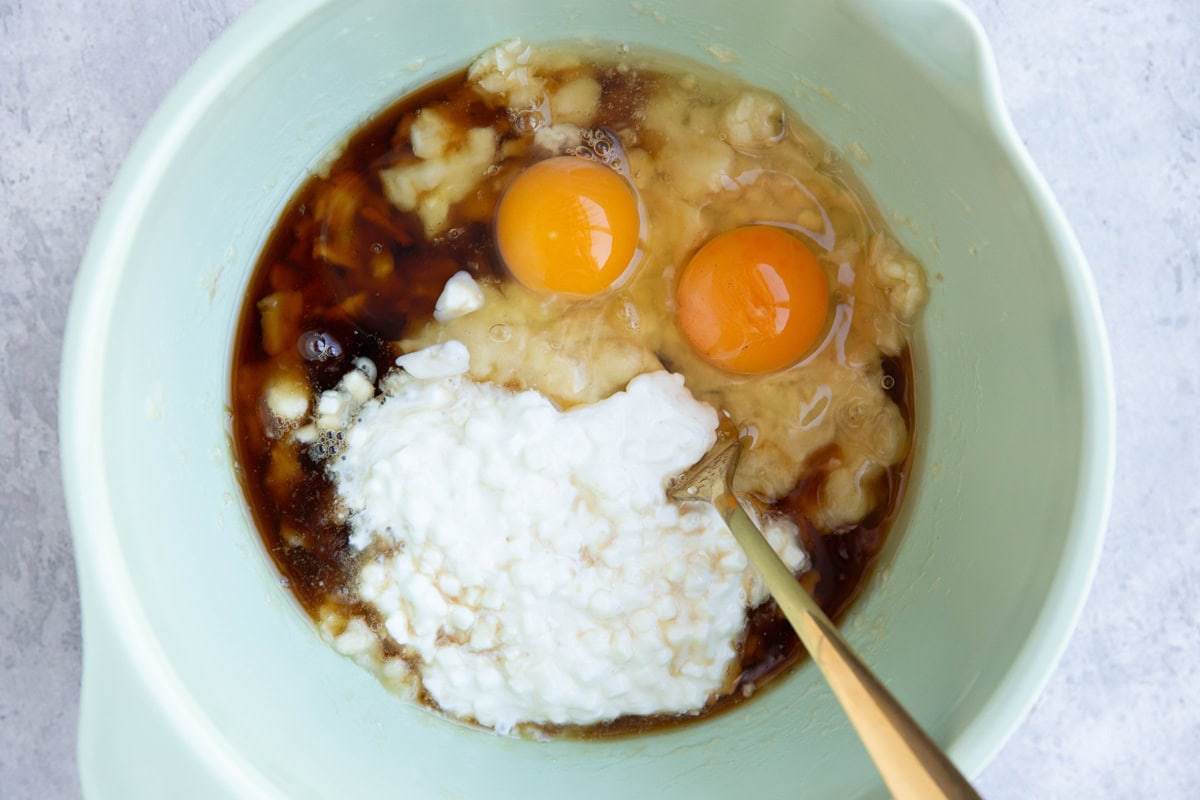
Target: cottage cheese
(460, 296)
(527, 559)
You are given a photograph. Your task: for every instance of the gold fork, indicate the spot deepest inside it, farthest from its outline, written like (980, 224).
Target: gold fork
(911, 764)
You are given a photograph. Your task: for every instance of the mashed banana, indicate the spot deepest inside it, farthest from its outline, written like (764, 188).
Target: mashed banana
(704, 160)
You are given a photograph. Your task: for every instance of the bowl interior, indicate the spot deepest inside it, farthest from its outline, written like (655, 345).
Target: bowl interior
(1001, 524)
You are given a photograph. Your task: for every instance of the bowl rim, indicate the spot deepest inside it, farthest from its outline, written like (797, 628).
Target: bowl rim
(99, 561)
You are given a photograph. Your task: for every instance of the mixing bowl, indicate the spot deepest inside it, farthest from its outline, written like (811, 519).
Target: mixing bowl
(202, 678)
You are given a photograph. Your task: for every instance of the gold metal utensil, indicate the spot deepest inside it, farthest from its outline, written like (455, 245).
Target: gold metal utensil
(912, 766)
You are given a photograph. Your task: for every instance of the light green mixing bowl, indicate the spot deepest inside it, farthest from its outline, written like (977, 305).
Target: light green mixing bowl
(201, 676)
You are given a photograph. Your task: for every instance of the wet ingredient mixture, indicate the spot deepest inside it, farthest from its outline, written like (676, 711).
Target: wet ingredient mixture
(473, 352)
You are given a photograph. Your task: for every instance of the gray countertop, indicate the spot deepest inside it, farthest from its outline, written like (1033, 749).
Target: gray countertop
(1106, 95)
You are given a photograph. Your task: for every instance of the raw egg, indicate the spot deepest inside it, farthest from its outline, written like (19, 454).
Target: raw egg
(568, 225)
(753, 299)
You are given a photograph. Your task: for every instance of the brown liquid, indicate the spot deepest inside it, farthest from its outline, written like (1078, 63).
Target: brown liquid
(364, 311)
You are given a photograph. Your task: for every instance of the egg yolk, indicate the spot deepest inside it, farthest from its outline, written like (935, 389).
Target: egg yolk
(568, 225)
(753, 299)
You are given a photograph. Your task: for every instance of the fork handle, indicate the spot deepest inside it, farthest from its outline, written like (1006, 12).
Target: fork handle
(911, 764)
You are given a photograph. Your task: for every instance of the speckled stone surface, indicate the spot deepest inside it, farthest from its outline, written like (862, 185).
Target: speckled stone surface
(1106, 94)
